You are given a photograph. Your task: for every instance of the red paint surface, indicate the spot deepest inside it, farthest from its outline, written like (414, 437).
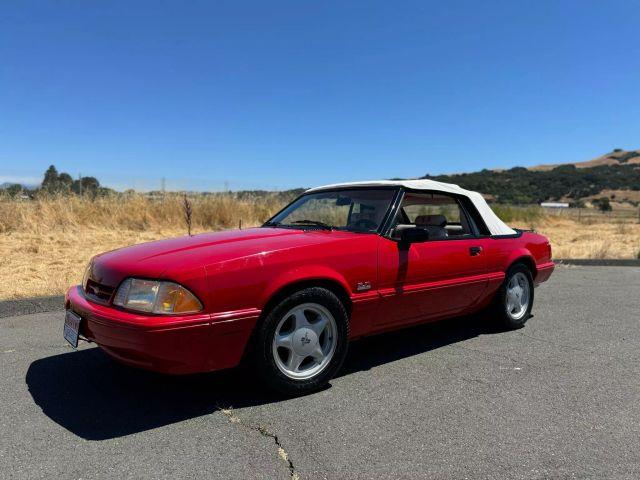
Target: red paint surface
(236, 273)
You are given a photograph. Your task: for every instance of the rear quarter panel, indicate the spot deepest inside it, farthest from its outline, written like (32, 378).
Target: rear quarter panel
(530, 247)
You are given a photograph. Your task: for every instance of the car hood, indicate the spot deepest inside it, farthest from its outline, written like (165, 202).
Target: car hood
(177, 257)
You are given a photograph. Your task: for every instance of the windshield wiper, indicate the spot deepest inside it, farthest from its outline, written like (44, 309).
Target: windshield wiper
(314, 223)
(271, 224)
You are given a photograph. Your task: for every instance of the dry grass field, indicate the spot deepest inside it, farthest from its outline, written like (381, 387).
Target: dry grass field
(572, 239)
(45, 243)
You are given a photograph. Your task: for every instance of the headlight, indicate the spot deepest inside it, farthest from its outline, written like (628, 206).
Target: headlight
(156, 296)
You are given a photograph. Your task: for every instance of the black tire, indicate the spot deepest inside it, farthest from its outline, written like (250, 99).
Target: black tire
(499, 309)
(263, 356)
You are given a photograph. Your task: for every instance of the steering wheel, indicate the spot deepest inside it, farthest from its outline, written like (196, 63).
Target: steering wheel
(365, 224)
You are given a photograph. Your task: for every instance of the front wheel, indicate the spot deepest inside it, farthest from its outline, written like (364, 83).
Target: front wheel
(302, 342)
(514, 300)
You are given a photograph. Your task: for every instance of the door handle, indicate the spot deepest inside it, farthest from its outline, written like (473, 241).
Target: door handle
(475, 251)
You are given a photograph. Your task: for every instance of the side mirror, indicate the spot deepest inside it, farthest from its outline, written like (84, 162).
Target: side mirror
(414, 235)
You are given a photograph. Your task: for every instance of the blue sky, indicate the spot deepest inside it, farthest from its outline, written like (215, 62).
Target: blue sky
(285, 94)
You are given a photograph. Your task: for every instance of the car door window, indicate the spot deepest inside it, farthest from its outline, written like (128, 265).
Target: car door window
(442, 215)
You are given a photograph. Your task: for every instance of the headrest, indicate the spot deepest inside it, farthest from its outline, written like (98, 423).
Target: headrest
(431, 221)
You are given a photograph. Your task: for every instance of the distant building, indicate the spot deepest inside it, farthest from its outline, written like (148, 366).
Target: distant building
(554, 205)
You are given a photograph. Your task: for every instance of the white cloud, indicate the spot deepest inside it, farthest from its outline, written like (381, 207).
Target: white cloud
(25, 180)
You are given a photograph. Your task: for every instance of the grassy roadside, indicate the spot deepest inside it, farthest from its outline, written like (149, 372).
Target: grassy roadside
(571, 239)
(45, 244)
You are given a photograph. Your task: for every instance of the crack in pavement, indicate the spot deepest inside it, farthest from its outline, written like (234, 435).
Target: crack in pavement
(282, 453)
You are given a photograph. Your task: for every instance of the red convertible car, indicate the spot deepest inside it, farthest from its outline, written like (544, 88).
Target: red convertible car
(340, 262)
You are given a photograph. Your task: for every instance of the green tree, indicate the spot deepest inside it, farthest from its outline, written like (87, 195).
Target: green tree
(604, 205)
(86, 186)
(50, 182)
(14, 190)
(65, 182)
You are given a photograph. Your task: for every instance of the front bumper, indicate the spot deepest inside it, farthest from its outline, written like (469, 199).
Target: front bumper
(167, 344)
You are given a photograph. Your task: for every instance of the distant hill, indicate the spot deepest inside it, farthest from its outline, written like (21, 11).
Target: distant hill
(615, 175)
(617, 157)
(618, 171)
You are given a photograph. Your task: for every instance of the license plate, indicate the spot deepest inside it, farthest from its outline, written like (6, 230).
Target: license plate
(72, 328)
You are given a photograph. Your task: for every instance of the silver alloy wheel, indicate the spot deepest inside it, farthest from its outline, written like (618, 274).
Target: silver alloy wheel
(305, 341)
(518, 296)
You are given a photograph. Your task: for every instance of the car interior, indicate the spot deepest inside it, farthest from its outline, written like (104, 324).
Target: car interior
(440, 215)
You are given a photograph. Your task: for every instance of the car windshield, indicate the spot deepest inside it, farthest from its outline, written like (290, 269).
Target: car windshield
(358, 210)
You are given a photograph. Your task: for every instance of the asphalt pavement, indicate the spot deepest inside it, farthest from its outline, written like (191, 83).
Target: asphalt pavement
(559, 398)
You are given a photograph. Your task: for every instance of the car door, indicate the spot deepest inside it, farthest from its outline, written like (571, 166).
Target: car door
(435, 278)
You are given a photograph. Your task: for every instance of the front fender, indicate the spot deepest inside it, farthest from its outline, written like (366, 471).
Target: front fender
(303, 275)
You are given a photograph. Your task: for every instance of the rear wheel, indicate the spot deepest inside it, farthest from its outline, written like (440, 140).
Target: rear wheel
(302, 341)
(514, 299)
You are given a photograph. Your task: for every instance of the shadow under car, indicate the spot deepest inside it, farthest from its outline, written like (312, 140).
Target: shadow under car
(96, 398)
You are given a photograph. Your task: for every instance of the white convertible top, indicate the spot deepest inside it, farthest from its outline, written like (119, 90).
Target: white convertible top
(494, 224)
